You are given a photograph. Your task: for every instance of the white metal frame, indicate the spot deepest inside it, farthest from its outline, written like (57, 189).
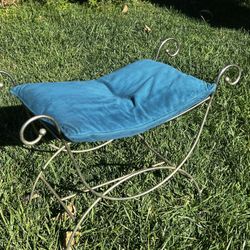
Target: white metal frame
(164, 164)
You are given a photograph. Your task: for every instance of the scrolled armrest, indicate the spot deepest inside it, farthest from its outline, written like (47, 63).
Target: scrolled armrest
(41, 133)
(4, 73)
(170, 53)
(227, 78)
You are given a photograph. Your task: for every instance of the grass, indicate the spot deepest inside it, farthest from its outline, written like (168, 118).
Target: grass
(61, 41)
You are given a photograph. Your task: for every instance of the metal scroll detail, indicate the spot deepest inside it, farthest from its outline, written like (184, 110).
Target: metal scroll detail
(227, 78)
(168, 51)
(206, 15)
(42, 131)
(4, 73)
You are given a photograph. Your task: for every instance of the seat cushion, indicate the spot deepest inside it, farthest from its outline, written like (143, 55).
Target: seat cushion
(128, 101)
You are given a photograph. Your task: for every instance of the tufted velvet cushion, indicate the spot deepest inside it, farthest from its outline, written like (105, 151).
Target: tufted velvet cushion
(129, 101)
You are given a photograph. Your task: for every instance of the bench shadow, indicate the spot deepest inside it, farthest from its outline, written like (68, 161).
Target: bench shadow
(233, 14)
(12, 119)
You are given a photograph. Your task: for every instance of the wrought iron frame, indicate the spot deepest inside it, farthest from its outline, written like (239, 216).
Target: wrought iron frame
(164, 164)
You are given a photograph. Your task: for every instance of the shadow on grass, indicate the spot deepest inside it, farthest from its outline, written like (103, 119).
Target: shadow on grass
(225, 13)
(12, 118)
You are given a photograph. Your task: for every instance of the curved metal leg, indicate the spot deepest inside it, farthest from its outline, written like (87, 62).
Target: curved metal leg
(104, 195)
(57, 196)
(83, 150)
(44, 167)
(101, 195)
(42, 177)
(181, 171)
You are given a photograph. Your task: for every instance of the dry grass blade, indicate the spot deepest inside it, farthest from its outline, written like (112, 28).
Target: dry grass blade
(8, 2)
(74, 241)
(125, 9)
(147, 28)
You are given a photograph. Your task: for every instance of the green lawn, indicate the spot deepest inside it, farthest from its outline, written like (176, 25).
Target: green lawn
(70, 41)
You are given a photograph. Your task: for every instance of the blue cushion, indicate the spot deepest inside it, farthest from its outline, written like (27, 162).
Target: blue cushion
(129, 101)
